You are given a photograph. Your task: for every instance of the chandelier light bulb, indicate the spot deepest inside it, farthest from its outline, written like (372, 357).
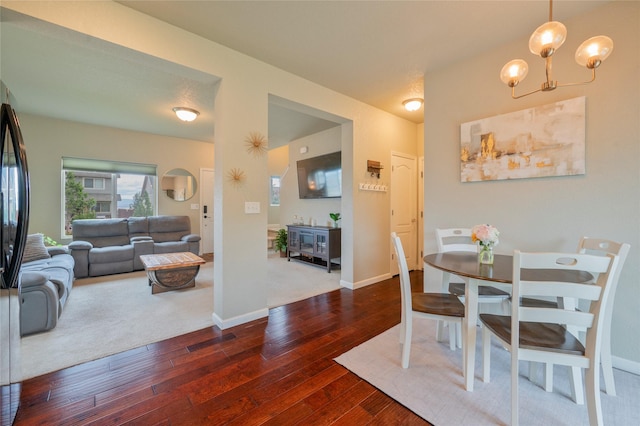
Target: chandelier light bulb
(514, 72)
(593, 51)
(547, 38)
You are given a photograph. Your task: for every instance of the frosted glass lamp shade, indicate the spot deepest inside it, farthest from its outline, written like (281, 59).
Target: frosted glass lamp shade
(186, 114)
(412, 104)
(593, 51)
(514, 72)
(547, 38)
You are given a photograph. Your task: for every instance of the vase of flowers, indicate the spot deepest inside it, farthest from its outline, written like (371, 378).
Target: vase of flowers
(486, 236)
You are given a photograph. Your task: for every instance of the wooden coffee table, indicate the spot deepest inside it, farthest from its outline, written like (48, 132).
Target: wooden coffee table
(171, 271)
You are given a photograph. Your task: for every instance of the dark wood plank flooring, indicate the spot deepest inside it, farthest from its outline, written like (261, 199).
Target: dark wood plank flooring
(274, 371)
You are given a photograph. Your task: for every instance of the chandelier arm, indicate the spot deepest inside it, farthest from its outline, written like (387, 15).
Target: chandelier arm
(513, 93)
(593, 77)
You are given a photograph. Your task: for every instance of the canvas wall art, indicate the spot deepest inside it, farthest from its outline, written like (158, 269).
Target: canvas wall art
(547, 140)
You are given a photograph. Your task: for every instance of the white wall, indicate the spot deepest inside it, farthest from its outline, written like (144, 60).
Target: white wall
(240, 291)
(549, 213)
(318, 144)
(47, 140)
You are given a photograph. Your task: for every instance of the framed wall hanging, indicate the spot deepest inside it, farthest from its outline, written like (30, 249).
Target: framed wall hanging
(547, 140)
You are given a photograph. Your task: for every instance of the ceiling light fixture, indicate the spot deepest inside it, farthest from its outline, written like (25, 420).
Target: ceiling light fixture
(186, 114)
(412, 104)
(545, 40)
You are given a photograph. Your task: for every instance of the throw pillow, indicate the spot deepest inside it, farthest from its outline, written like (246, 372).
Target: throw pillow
(35, 249)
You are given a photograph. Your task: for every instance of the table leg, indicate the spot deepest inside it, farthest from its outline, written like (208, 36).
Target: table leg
(470, 321)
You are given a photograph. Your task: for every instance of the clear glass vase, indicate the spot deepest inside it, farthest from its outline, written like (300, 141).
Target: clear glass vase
(485, 255)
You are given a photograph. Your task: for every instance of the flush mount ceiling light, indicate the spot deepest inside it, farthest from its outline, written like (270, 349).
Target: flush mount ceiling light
(413, 104)
(186, 114)
(544, 42)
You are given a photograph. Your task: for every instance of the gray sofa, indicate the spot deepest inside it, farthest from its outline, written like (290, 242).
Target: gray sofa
(112, 246)
(45, 285)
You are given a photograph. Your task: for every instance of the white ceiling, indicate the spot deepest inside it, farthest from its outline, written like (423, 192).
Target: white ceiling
(373, 51)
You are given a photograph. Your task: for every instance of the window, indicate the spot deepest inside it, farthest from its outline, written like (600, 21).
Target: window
(97, 189)
(93, 183)
(103, 206)
(274, 191)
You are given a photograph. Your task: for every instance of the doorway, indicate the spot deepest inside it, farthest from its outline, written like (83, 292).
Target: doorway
(206, 210)
(404, 207)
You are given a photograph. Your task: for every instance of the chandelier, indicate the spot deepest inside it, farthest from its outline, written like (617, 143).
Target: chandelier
(544, 41)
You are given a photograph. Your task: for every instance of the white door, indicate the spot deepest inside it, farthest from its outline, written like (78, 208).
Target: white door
(404, 207)
(420, 263)
(206, 211)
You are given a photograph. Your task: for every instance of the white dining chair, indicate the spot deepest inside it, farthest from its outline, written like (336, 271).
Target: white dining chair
(535, 333)
(459, 240)
(437, 306)
(602, 247)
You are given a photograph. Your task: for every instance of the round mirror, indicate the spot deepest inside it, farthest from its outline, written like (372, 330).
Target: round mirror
(179, 184)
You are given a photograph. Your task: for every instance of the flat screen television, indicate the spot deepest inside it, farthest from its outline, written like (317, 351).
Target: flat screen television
(320, 177)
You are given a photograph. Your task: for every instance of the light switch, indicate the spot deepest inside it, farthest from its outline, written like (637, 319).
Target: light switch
(252, 207)
(195, 206)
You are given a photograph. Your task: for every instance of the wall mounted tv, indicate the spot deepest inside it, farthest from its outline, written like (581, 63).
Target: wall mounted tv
(320, 177)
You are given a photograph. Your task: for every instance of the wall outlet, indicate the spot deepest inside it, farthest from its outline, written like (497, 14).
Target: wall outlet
(252, 207)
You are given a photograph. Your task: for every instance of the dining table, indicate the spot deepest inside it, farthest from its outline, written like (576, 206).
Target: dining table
(466, 266)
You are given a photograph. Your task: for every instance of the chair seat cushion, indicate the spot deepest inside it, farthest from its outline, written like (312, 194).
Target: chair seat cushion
(483, 290)
(538, 336)
(437, 303)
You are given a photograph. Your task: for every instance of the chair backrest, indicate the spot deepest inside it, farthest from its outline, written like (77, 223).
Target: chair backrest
(405, 282)
(536, 284)
(601, 247)
(455, 239)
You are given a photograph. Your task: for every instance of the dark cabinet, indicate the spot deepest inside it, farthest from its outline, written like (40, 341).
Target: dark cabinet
(316, 245)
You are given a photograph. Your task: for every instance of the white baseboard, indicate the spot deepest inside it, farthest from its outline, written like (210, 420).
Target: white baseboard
(364, 283)
(240, 319)
(626, 365)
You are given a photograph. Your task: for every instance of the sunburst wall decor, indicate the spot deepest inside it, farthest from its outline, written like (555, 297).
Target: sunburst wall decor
(256, 144)
(236, 176)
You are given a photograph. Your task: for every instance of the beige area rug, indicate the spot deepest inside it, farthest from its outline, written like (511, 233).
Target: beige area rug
(433, 388)
(115, 313)
(111, 314)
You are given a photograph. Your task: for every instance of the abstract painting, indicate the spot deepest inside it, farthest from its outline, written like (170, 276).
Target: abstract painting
(547, 140)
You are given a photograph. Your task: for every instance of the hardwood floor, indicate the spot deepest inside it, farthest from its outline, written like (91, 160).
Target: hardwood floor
(275, 371)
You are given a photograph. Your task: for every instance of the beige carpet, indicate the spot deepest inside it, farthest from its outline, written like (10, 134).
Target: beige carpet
(111, 314)
(432, 386)
(292, 281)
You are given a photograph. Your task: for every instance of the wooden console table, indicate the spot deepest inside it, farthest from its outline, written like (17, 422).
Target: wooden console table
(315, 245)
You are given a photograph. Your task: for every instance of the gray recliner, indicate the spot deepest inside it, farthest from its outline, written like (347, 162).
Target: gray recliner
(45, 286)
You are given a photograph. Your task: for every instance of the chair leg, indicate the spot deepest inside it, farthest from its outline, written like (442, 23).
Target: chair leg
(459, 334)
(533, 371)
(607, 365)
(486, 355)
(406, 346)
(592, 379)
(547, 369)
(577, 390)
(548, 377)
(452, 336)
(440, 330)
(514, 388)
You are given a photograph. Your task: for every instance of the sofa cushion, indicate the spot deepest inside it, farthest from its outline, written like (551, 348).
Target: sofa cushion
(35, 249)
(111, 254)
(138, 227)
(101, 232)
(168, 228)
